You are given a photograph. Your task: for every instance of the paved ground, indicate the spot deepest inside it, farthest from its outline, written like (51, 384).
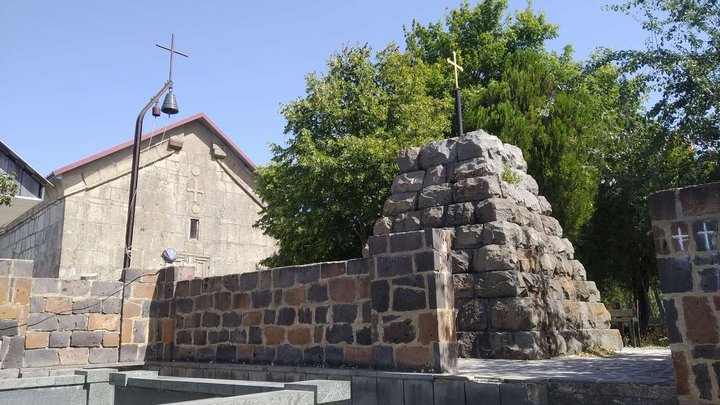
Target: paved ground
(632, 365)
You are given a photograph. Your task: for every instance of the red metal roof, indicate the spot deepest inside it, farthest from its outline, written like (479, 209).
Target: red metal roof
(201, 117)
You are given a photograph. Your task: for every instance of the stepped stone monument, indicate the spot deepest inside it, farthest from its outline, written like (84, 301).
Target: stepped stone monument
(519, 293)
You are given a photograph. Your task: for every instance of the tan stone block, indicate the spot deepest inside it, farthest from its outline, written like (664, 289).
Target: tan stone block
(4, 286)
(168, 331)
(103, 322)
(111, 339)
(126, 333)
(36, 340)
(412, 357)
(295, 296)
(427, 328)
(274, 335)
(244, 352)
(149, 278)
(143, 291)
(252, 318)
(299, 336)
(131, 309)
(72, 356)
(359, 356)
(58, 305)
(364, 287)
(265, 279)
(241, 301)
(700, 322)
(342, 289)
(682, 373)
(9, 311)
(21, 293)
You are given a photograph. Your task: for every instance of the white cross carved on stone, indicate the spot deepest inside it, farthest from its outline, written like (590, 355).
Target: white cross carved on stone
(195, 190)
(706, 234)
(681, 238)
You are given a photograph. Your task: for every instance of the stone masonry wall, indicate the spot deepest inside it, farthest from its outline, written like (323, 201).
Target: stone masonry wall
(685, 229)
(519, 293)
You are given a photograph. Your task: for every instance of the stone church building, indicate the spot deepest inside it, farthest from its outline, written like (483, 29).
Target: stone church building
(195, 195)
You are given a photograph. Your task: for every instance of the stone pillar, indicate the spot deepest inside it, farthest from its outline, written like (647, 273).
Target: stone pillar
(413, 316)
(685, 230)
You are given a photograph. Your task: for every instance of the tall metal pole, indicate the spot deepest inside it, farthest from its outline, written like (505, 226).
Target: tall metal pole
(130, 225)
(458, 113)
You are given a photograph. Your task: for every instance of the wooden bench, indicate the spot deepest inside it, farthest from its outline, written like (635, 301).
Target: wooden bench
(623, 318)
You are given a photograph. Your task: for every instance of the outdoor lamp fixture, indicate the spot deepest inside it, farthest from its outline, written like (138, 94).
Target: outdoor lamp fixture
(169, 255)
(169, 107)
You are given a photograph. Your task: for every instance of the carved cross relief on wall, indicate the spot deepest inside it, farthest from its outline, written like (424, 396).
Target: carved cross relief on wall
(194, 188)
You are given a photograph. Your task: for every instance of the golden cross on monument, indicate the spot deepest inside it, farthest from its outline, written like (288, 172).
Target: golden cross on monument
(458, 105)
(456, 67)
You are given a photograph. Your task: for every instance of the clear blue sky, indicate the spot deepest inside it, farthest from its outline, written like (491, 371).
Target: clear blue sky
(74, 74)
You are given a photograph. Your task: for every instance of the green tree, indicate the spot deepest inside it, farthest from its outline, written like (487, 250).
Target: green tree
(681, 63)
(8, 188)
(544, 103)
(325, 189)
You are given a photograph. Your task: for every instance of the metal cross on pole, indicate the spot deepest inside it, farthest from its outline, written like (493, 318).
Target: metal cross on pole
(169, 107)
(172, 51)
(458, 105)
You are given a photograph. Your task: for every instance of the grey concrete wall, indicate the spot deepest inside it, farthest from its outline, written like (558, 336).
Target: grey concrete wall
(37, 236)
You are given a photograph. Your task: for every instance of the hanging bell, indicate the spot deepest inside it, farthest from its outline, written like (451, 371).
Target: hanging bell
(170, 104)
(156, 110)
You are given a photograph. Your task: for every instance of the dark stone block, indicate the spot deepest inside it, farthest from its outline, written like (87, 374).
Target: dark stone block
(223, 301)
(226, 353)
(314, 356)
(261, 299)
(334, 356)
(263, 354)
(344, 313)
(205, 354)
(218, 336)
(377, 245)
(255, 336)
(304, 315)
(269, 316)
(277, 297)
(286, 316)
(671, 319)
(317, 293)
(359, 266)
(248, 281)
(709, 259)
(332, 269)
(238, 336)
(407, 241)
(405, 299)
(710, 280)
(415, 280)
(288, 355)
(702, 380)
(85, 306)
(472, 315)
(307, 274)
(210, 319)
(399, 332)
(380, 295)
(428, 261)
(12, 349)
(41, 358)
(700, 200)
(708, 352)
(199, 337)
(383, 357)
(231, 282)
(8, 327)
(59, 339)
(195, 287)
(86, 339)
(111, 306)
(321, 314)
(675, 274)
(283, 277)
(364, 337)
(366, 311)
(183, 337)
(706, 235)
(391, 266)
(339, 333)
(212, 285)
(231, 319)
(203, 302)
(662, 205)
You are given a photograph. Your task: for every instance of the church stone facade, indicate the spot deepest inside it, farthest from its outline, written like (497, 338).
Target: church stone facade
(195, 195)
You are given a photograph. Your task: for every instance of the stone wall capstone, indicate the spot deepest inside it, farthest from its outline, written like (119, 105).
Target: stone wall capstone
(519, 292)
(685, 230)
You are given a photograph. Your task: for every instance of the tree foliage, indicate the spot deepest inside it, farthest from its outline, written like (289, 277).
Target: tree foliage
(325, 189)
(8, 188)
(681, 62)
